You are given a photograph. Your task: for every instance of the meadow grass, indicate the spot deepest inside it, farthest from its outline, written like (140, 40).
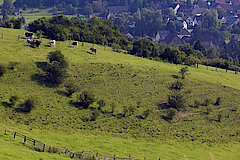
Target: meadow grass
(125, 80)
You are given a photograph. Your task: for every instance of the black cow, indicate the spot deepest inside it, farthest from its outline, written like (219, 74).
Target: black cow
(75, 43)
(29, 35)
(33, 43)
(94, 50)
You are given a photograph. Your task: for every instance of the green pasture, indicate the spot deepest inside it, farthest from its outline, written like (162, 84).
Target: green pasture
(122, 79)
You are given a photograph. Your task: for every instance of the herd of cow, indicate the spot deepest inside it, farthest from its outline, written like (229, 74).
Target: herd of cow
(31, 41)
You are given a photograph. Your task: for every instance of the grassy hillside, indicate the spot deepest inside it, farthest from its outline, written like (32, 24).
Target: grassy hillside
(123, 80)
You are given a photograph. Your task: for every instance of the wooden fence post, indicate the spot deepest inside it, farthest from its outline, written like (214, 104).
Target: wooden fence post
(114, 157)
(18, 37)
(97, 155)
(43, 147)
(14, 135)
(144, 158)
(66, 151)
(5, 132)
(25, 139)
(129, 156)
(34, 142)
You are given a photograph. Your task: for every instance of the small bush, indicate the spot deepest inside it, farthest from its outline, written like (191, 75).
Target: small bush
(12, 65)
(2, 69)
(13, 100)
(101, 104)
(70, 89)
(28, 105)
(197, 103)
(206, 102)
(218, 101)
(85, 99)
(146, 113)
(171, 113)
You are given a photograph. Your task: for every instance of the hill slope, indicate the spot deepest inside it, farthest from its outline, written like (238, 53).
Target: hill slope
(122, 80)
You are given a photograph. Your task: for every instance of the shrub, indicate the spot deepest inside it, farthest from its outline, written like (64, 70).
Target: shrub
(101, 104)
(70, 89)
(197, 103)
(12, 65)
(184, 72)
(176, 100)
(218, 101)
(2, 69)
(146, 113)
(85, 99)
(206, 102)
(177, 85)
(13, 100)
(171, 113)
(27, 105)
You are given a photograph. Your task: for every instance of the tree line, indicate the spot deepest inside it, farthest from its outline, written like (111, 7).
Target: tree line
(104, 32)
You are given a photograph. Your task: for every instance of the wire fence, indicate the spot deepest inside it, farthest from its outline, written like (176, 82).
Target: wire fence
(83, 155)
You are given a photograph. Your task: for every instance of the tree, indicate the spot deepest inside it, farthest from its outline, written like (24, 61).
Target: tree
(176, 100)
(85, 99)
(87, 9)
(8, 7)
(55, 70)
(171, 113)
(184, 72)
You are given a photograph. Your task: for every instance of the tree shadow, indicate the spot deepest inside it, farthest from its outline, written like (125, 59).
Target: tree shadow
(6, 104)
(175, 76)
(163, 105)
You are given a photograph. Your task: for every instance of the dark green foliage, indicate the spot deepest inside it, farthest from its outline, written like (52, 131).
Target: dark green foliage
(2, 69)
(146, 113)
(206, 102)
(218, 101)
(12, 65)
(13, 99)
(177, 85)
(171, 113)
(8, 7)
(84, 99)
(128, 110)
(197, 103)
(55, 70)
(101, 104)
(184, 72)
(95, 114)
(143, 48)
(28, 105)
(219, 117)
(70, 89)
(176, 100)
(95, 30)
(58, 57)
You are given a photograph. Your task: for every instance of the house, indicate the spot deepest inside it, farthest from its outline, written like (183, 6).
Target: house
(231, 20)
(235, 2)
(117, 9)
(220, 1)
(163, 34)
(172, 38)
(184, 33)
(190, 22)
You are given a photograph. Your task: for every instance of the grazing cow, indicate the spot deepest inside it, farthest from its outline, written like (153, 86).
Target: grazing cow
(94, 50)
(29, 35)
(34, 42)
(75, 43)
(37, 42)
(52, 43)
(29, 41)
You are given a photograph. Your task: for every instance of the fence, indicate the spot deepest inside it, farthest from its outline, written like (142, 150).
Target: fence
(39, 146)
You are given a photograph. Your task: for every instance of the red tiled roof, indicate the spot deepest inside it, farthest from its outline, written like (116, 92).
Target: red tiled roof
(179, 18)
(220, 1)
